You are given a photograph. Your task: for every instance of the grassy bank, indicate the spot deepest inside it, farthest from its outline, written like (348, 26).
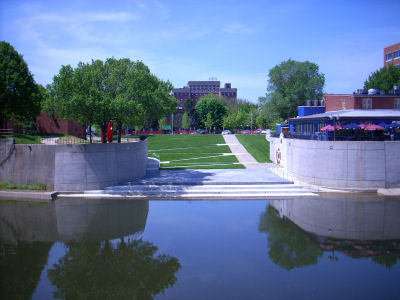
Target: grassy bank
(13, 186)
(24, 138)
(192, 152)
(256, 145)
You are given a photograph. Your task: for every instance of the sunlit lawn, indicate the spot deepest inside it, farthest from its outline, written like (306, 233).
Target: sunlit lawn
(182, 151)
(256, 145)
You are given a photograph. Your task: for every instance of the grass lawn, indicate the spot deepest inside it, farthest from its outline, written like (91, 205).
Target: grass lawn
(256, 145)
(194, 151)
(25, 138)
(12, 186)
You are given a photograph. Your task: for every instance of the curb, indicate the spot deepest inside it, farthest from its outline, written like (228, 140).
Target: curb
(28, 196)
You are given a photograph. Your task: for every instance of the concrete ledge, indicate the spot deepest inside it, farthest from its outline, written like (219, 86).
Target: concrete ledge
(395, 192)
(28, 196)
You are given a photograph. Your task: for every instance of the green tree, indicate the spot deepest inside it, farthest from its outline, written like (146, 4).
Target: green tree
(101, 270)
(215, 107)
(119, 90)
(229, 121)
(261, 121)
(289, 246)
(209, 121)
(290, 84)
(162, 123)
(384, 79)
(190, 108)
(20, 96)
(185, 121)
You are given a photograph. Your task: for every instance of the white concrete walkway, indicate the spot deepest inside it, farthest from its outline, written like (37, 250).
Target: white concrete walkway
(244, 157)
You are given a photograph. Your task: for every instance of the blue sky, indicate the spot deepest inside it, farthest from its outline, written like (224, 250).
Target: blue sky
(234, 41)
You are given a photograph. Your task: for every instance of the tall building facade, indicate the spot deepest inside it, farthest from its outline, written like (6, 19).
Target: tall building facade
(391, 55)
(197, 89)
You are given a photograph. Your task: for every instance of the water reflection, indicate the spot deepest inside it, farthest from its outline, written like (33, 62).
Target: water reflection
(301, 230)
(101, 270)
(104, 255)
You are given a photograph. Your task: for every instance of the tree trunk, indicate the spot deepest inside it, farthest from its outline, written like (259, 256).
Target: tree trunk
(119, 128)
(90, 133)
(104, 133)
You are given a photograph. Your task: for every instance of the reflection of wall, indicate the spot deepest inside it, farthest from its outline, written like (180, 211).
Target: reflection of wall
(72, 220)
(27, 222)
(84, 219)
(340, 164)
(73, 167)
(361, 218)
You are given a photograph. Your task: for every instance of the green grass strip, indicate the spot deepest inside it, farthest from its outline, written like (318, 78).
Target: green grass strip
(256, 145)
(25, 138)
(13, 186)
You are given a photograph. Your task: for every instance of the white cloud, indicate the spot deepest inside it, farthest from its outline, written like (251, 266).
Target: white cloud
(238, 28)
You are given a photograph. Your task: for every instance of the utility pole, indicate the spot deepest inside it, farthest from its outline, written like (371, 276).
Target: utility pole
(172, 123)
(251, 117)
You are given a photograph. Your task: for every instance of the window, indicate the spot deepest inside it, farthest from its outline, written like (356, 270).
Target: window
(396, 54)
(396, 104)
(366, 103)
(388, 56)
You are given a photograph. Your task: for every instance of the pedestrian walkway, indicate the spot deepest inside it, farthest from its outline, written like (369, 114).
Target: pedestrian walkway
(244, 157)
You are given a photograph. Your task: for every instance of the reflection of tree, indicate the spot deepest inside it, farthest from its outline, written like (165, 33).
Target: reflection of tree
(387, 261)
(20, 268)
(100, 270)
(289, 246)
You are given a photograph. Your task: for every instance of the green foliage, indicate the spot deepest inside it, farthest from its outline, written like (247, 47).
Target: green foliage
(261, 121)
(290, 84)
(188, 151)
(185, 121)
(289, 246)
(20, 96)
(120, 90)
(13, 186)
(209, 121)
(22, 264)
(256, 145)
(102, 270)
(162, 123)
(24, 138)
(240, 117)
(190, 108)
(213, 106)
(384, 79)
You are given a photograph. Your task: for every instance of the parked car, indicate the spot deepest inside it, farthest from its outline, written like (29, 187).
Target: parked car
(226, 132)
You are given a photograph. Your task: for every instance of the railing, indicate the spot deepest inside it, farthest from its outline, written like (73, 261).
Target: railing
(366, 137)
(6, 132)
(71, 140)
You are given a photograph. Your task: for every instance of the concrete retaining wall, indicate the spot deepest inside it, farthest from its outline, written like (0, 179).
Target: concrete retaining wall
(73, 167)
(340, 164)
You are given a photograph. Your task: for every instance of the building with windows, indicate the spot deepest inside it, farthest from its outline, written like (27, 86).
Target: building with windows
(197, 89)
(391, 55)
(362, 107)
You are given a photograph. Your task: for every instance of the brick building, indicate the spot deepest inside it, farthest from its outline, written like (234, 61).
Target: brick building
(48, 125)
(391, 55)
(197, 89)
(335, 102)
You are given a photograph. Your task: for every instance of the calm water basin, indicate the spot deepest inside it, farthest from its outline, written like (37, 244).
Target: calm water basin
(330, 247)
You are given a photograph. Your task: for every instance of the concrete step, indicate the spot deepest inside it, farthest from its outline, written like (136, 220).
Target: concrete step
(191, 196)
(202, 191)
(201, 187)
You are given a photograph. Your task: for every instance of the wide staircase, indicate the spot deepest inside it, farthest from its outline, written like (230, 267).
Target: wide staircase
(203, 191)
(205, 184)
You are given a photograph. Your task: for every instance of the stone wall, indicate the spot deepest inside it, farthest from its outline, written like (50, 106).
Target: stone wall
(72, 167)
(340, 164)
